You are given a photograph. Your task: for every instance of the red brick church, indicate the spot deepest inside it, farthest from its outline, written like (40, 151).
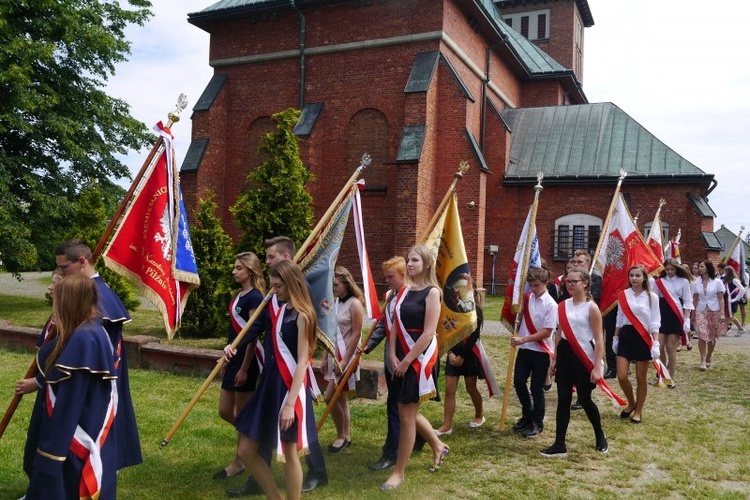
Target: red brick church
(421, 85)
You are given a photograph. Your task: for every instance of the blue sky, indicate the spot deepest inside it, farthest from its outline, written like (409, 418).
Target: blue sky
(682, 74)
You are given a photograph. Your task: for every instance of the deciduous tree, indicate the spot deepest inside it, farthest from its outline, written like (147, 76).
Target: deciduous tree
(58, 128)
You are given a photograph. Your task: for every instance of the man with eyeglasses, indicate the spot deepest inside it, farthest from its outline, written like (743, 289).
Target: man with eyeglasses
(74, 257)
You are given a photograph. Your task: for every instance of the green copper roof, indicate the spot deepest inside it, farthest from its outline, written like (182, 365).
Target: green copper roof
(588, 142)
(536, 61)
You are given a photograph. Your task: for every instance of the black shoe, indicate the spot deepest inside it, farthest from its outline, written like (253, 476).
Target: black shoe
(521, 424)
(313, 482)
(554, 451)
(332, 450)
(222, 474)
(250, 488)
(610, 374)
(382, 464)
(576, 406)
(601, 445)
(532, 430)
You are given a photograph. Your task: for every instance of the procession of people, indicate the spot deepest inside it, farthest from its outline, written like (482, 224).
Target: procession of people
(268, 386)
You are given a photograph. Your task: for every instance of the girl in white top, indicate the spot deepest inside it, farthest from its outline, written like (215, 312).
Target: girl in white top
(675, 304)
(577, 361)
(638, 322)
(710, 321)
(350, 315)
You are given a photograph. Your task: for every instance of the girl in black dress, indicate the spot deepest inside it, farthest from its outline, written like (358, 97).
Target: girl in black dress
(413, 353)
(241, 372)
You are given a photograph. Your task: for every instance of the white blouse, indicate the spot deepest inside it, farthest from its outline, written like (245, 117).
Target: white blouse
(708, 296)
(645, 307)
(678, 288)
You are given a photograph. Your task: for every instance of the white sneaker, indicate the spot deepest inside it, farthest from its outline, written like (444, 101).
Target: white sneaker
(438, 432)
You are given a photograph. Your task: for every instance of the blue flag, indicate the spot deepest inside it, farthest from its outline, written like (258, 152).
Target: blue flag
(318, 265)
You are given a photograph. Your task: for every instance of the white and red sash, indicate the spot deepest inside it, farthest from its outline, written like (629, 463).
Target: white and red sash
(425, 361)
(587, 362)
(287, 366)
(489, 375)
(672, 305)
(670, 300)
(87, 448)
(622, 300)
(531, 327)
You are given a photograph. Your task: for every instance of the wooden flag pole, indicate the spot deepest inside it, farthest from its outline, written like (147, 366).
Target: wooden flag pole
(174, 117)
(217, 369)
(345, 377)
(524, 270)
(300, 253)
(463, 167)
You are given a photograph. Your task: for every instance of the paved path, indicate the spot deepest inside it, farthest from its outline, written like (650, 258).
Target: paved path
(28, 286)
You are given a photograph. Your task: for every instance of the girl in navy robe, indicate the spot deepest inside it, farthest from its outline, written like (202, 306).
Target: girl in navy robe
(76, 455)
(280, 410)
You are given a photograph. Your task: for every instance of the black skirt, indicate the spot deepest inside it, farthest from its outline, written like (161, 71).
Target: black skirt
(632, 346)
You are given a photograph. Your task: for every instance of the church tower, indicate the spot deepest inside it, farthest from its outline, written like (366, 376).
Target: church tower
(555, 26)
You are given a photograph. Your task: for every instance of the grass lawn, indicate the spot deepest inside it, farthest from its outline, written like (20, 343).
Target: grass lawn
(694, 442)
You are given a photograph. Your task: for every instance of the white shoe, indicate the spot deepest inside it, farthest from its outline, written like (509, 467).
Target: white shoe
(476, 425)
(439, 433)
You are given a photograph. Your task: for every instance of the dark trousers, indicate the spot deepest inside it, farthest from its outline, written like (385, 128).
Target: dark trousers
(570, 372)
(390, 447)
(609, 322)
(532, 364)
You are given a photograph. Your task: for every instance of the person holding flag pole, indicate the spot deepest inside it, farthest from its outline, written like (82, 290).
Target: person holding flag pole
(154, 155)
(526, 256)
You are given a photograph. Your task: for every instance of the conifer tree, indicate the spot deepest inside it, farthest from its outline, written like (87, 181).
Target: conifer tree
(280, 205)
(205, 314)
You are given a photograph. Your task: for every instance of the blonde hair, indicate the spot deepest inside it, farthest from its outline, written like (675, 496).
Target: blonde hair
(398, 262)
(75, 302)
(291, 275)
(252, 263)
(428, 265)
(344, 276)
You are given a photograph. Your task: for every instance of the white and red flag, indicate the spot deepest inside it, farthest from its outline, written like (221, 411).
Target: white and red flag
(622, 247)
(151, 244)
(654, 239)
(673, 248)
(736, 257)
(371, 295)
(526, 257)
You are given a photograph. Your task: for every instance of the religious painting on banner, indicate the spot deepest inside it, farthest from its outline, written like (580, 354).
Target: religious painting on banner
(458, 316)
(151, 245)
